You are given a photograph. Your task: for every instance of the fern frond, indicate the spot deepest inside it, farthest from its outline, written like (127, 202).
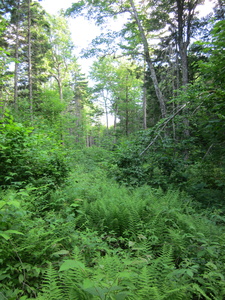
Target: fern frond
(52, 287)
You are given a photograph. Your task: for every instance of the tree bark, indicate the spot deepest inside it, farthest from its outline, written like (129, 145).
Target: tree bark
(30, 60)
(106, 110)
(159, 94)
(16, 57)
(184, 18)
(182, 43)
(127, 109)
(144, 102)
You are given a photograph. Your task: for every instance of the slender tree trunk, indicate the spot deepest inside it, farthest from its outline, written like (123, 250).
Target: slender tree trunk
(160, 96)
(60, 89)
(30, 60)
(16, 57)
(144, 102)
(127, 110)
(115, 117)
(106, 111)
(59, 80)
(182, 43)
(184, 19)
(144, 107)
(184, 63)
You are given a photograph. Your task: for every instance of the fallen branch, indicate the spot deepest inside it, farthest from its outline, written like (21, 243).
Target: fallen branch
(163, 127)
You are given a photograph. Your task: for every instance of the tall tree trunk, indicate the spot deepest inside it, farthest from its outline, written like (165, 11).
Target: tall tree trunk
(184, 18)
(144, 107)
(106, 110)
(160, 96)
(144, 102)
(127, 110)
(115, 117)
(59, 80)
(30, 60)
(182, 43)
(60, 89)
(16, 57)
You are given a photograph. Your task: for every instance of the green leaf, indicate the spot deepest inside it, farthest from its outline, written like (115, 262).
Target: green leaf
(5, 236)
(190, 273)
(97, 291)
(2, 203)
(21, 278)
(75, 205)
(121, 296)
(61, 252)
(4, 276)
(14, 203)
(131, 244)
(87, 283)
(71, 264)
(14, 232)
(125, 274)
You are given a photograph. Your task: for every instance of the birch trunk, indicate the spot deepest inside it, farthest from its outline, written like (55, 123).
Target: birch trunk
(160, 96)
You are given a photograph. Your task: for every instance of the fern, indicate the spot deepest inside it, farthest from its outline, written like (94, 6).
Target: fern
(154, 281)
(64, 285)
(52, 287)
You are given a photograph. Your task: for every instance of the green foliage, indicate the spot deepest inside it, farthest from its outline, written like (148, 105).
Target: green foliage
(50, 106)
(113, 278)
(26, 157)
(118, 86)
(98, 240)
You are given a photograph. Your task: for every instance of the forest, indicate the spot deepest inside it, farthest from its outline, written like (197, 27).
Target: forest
(112, 183)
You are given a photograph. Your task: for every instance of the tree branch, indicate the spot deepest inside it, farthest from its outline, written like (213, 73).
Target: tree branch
(163, 127)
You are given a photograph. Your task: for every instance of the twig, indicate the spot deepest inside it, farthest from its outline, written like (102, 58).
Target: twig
(210, 147)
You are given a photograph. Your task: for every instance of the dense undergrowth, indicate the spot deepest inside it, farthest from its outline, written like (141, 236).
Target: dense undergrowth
(69, 231)
(91, 238)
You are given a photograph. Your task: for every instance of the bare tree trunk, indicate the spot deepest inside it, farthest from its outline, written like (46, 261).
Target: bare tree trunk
(144, 107)
(115, 117)
(59, 80)
(106, 111)
(60, 89)
(184, 19)
(182, 43)
(144, 102)
(16, 57)
(30, 60)
(160, 96)
(127, 110)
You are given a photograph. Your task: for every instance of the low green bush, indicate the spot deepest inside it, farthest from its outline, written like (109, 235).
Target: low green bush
(27, 157)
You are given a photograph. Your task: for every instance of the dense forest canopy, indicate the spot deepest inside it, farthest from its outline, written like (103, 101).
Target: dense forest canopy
(112, 182)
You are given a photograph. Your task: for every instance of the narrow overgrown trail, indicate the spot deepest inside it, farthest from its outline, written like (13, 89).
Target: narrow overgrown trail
(92, 238)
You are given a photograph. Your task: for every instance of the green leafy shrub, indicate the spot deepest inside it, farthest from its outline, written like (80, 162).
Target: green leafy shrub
(128, 165)
(206, 183)
(29, 157)
(164, 166)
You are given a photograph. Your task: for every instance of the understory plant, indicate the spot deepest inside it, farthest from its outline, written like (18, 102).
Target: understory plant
(29, 157)
(98, 240)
